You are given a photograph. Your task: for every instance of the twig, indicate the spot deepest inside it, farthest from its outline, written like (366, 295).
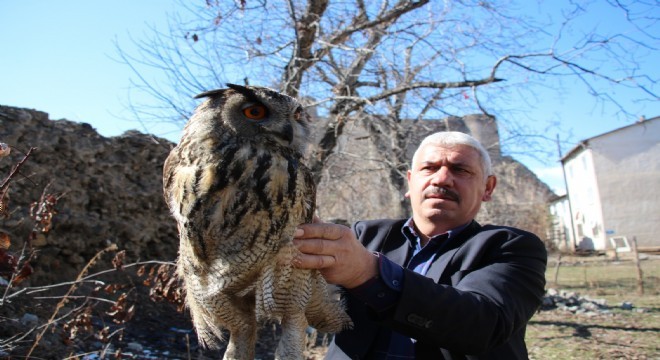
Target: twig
(61, 303)
(75, 297)
(83, 355)
(14, 171)
(14, 274)
(159, 262)
(107, 346)
(33, 290)
(86, 279)
(18, 337)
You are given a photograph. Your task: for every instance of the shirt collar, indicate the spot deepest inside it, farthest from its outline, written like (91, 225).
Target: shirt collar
(409, 232)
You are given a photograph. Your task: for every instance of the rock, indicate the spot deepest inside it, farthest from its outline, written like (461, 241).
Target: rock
(589, 306)
(573, 302)
(134, 347)
(548, 302)
(626, 305)
(29, 320)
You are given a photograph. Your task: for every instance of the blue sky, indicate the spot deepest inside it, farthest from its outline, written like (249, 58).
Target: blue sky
(60, 57)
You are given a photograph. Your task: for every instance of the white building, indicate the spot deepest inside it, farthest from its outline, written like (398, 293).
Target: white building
(560, 228)
(613, 184)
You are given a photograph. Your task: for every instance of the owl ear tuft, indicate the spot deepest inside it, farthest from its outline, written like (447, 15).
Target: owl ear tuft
(210, 93)
(246, 91)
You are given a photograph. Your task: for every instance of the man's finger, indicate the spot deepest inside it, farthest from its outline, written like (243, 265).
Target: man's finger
(313, 246)
(327, 231)
(305, 261)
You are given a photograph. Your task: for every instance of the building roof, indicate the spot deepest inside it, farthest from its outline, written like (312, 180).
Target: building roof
(585, 143)
(558, 198)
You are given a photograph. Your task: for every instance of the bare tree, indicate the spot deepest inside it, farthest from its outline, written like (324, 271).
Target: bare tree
(379, 63)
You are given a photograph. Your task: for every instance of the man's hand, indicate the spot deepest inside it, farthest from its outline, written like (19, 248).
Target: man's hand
(336, 253)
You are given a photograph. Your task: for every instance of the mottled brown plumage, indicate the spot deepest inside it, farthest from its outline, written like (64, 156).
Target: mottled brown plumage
(237, 186)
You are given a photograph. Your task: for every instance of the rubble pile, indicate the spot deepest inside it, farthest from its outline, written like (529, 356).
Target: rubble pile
(572, 302)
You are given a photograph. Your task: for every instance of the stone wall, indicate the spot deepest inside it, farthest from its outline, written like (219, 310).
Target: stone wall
(110, 192)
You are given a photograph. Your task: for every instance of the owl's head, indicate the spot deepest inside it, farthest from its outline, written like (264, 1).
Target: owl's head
(258, 113)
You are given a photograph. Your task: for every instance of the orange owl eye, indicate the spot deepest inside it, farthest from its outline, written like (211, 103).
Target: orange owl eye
(255, 112)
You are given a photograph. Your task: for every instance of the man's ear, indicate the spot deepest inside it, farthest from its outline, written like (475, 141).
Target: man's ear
(407, 194)
(491, 181)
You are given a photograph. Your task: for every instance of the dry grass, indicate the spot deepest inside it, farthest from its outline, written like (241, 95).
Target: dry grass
(619, 334)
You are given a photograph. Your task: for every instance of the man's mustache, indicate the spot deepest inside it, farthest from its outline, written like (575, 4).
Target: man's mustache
(443, 193)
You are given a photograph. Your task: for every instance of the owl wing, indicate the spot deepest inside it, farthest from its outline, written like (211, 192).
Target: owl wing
(170, 164)
(185, 177)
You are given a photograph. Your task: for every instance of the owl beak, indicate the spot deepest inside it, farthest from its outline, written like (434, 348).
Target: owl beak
(284, 133)
(287, 133)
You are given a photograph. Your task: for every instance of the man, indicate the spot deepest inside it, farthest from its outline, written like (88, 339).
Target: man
(437, 285)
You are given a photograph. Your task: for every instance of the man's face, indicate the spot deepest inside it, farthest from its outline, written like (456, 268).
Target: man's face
(446, 187)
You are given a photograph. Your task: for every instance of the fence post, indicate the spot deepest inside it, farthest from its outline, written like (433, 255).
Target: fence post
(640, 274)
(557, 269)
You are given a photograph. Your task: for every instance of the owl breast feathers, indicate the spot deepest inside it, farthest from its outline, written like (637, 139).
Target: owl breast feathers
(237, 186)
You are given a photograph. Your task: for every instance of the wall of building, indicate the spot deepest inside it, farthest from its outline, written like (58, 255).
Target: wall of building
(560, 233)
(484, 129)
(627, 164)
(584, 197)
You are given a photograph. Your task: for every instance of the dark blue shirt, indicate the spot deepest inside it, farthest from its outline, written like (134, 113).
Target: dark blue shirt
(382, 292)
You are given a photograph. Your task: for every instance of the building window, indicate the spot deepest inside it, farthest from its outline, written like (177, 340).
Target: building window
(585, 165)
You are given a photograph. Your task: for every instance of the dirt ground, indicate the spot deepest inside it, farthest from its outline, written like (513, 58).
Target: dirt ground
(158, 331)
(619, 335)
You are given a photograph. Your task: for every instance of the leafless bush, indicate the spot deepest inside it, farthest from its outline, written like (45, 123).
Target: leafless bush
(70, 307)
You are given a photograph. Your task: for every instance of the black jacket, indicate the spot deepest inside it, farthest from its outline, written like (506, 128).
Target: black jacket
(474, 302)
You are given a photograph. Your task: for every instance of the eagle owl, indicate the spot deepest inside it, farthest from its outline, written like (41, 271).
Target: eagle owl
(238, 187)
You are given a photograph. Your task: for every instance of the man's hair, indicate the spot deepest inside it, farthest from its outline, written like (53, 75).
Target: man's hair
(452, 138)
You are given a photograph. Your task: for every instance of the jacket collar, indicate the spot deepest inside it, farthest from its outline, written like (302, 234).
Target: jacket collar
(398, 248)
(450, 249)
(393, 247)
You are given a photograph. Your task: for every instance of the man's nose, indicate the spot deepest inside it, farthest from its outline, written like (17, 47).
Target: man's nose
(442, 177)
